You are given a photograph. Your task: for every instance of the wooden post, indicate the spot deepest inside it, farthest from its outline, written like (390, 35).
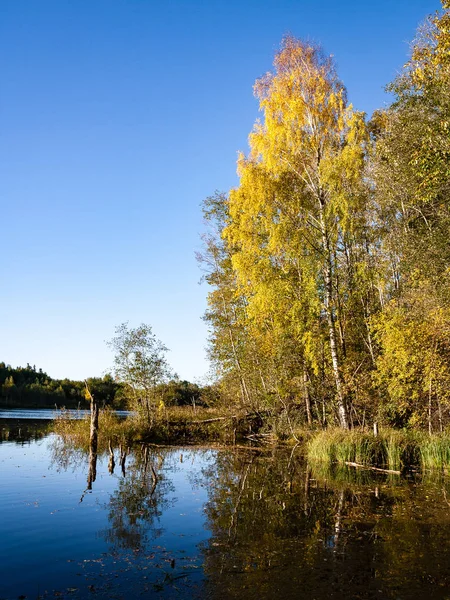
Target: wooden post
(375, 429)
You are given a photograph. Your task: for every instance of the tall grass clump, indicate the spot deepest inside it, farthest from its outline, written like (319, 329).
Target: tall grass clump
(390, 449)
(434, 451)
(112, 430)
(400, 448)
(175, 424)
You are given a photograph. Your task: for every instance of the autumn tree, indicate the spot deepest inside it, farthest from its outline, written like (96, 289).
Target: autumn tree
(298, 217)
(330, 268)
(411, 172)
(226, 317)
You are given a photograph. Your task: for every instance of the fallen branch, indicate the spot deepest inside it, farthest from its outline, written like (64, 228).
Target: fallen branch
(239, 418)
(358, 466)
(211, 445)
(210, 420)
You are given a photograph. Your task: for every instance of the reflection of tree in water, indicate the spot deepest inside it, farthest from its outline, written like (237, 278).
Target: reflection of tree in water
(141, 493)
(135, 564)
(66, 455)
(138, 501)
(281, 529)
(23, 432)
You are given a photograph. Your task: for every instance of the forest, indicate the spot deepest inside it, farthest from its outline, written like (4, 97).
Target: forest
(329, 264)
(27, 387)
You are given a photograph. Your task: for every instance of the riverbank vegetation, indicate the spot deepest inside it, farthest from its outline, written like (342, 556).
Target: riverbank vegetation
(391, 450)
(172, 424)
(329, 263)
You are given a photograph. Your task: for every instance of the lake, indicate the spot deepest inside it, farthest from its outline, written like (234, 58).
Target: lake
(212, 523)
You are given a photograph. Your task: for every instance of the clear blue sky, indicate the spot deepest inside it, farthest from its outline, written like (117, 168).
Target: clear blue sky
(117, 117)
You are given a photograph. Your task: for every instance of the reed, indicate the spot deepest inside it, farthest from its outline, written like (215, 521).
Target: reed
(168, 425)
(435, 451)
(391, 449)
(111, 429)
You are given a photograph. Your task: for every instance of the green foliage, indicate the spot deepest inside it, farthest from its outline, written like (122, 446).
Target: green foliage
(435, 451)
(140, 365)
(27, 387)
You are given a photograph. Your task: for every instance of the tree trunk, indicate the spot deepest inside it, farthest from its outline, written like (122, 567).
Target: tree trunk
(307, 396)
(328, 281)
(430, 428)
(93, 443)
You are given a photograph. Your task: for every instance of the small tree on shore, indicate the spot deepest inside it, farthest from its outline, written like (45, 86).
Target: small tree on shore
(140, 364)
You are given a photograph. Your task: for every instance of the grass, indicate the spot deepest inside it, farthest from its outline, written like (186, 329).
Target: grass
(183, 425)
(111, 429)
(391, 449)
(435, 451)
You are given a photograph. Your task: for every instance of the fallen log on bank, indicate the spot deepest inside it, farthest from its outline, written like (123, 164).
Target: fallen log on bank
(214, 445)
(238, 418)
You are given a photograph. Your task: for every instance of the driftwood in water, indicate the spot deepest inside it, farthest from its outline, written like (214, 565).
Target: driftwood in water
(358, 466)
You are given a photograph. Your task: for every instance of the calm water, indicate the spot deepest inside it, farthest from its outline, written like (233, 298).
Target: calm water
(205, 523)
(47, 414)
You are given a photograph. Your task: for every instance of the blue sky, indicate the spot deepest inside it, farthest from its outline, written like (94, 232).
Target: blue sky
(117, 117)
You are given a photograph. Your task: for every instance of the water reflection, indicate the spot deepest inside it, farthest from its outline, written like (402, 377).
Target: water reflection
(23, 431)
(277, 527)
(137, 503)
(280, 528)
(140, 496)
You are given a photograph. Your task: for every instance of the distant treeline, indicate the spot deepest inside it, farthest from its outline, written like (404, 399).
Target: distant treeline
(28, 387)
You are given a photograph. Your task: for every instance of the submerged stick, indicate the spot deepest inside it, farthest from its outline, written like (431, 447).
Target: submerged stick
(358, 466)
